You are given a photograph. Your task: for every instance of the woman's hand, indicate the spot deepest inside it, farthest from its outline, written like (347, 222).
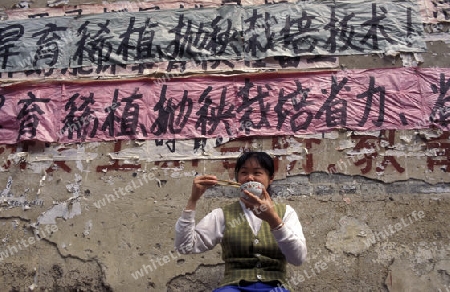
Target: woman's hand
(262, 207)
(199, 185)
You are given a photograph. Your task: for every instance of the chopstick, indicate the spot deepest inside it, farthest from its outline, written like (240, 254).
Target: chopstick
(228, 183)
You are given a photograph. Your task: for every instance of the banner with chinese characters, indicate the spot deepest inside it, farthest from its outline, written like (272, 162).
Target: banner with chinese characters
(229, 32)
(226, 107)
(174, 69)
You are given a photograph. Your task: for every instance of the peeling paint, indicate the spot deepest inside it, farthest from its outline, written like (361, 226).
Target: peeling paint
(430, 134)
(7, 191)
(18, 157)
(346, 144)
(39, 162)
(64, 210)
(87, 228)
(67, 209)
(411, 59)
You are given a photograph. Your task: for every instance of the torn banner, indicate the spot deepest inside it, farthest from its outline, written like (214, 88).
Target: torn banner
(235, 106)
(225, 33)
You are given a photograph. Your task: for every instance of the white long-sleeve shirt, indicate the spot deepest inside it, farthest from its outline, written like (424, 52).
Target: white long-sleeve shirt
(191, 238)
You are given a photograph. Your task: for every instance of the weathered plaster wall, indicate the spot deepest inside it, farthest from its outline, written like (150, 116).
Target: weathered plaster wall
(111, 225)
(100, 216)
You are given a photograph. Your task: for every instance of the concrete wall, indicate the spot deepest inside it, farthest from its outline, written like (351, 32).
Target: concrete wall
(74, 219)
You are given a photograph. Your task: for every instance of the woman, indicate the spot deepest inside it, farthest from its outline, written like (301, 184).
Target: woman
(255, 252)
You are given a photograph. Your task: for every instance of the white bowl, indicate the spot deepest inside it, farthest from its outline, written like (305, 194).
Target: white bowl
(253, 187)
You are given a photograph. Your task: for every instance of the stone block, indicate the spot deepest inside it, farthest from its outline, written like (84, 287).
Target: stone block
(368, 189)
(324, 190)
(346, 189)
(397, 188)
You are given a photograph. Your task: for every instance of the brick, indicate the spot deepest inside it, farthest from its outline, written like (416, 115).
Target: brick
(291, 190)
(348, 189)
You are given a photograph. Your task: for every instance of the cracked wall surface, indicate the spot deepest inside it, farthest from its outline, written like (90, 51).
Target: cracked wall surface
(107, 241)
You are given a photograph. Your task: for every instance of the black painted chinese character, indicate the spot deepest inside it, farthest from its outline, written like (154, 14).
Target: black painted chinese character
(371, 91)
(170, 144)
(9, 37)
(253, 43)
(97, 47)
(206, 40)
(142, 46)
(79, 117)
(47, 45)
(168, 119)
(299, 42)
(199, 144)
(336, 109)
(246, 122)
(213, 115)
(129, 121)
(29, 114)
(342, 30)
(299, 106)
(216, 42)
(375, 25)
(130, 115)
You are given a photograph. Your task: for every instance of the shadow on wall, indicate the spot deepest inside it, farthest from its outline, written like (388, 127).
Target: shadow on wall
(204, 279)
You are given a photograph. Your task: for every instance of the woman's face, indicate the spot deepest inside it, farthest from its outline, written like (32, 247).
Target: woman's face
(252, 171)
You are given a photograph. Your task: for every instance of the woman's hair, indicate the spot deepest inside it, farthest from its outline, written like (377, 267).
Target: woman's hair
(264, 160)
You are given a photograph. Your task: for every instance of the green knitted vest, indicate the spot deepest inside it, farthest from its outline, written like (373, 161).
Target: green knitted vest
(248, 257)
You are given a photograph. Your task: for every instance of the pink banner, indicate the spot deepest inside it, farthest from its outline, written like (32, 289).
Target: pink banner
(234, 106)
